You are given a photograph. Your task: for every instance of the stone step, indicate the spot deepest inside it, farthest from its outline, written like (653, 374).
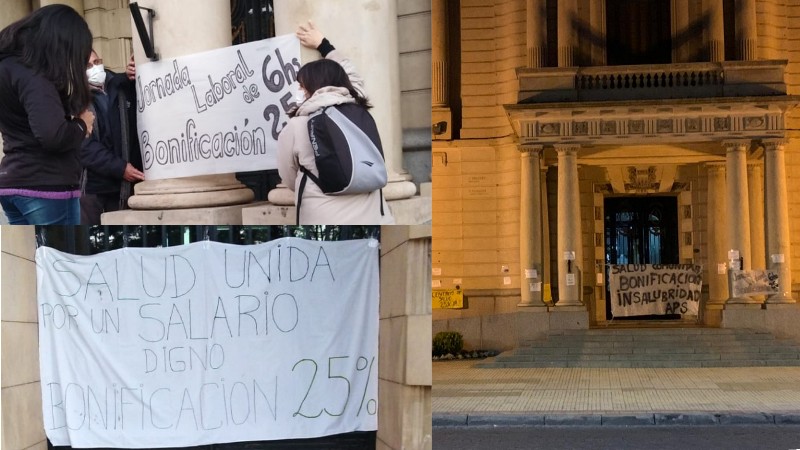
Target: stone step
(655, 350)
(727, 342)
(642, 347)
(638, 364)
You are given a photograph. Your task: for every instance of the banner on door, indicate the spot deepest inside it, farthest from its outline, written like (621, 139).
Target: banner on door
(643, 289)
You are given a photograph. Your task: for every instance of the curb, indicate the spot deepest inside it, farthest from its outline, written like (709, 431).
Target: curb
(654, 419)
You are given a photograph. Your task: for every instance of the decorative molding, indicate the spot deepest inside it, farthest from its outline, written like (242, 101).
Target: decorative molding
(642, 180)
(631, 123)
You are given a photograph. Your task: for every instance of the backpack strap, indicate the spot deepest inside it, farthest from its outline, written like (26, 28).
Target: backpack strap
(306, 175)
(381, 200)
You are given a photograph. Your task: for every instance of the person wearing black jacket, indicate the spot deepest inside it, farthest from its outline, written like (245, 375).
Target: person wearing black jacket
(44, 117)
(109, 156)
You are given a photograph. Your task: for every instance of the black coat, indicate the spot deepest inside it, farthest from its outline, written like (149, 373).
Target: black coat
(113, 142)
(41, 144)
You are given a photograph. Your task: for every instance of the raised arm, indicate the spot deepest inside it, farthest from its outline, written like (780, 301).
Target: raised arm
(311, 37)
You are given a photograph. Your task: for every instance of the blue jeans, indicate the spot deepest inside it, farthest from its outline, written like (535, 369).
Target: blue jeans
(22, 210)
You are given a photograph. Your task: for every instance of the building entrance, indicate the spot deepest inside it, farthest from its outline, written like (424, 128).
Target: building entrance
(640, 230)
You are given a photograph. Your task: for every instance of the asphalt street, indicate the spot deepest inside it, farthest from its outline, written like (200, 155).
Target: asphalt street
(714, 437)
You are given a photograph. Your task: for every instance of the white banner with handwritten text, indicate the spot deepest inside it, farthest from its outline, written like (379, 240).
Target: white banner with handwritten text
(218, 111)
(643, 289)
(208, 343)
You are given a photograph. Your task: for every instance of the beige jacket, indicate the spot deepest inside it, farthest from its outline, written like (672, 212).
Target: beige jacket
(294, 150)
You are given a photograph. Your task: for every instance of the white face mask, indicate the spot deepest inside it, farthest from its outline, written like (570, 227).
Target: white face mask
(96, 75)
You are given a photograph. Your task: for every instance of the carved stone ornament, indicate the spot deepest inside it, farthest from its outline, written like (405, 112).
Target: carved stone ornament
(664, 126)
(693, 125)
(722, 124)
(608, 127)
(580, 128)
(755, 123)
(636, 126)
(642, 180)
(549, 129)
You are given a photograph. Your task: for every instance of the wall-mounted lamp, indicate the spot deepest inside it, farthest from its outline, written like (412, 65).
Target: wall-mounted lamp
(148, 42)
(439, 128)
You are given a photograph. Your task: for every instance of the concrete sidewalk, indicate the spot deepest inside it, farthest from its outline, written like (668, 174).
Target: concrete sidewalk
(463, 395)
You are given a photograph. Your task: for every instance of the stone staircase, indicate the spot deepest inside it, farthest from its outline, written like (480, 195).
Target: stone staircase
(649, 347)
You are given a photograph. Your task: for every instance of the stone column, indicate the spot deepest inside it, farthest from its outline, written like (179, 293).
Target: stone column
(567, 13)
(181, 28)
(755, 185)
(367, 33)
(717, 234)
(545, 230)
(439, 52)
(738, 217)
(569, 226)
(530, 231)
(746, 30)
(14, 10)
(597, 23)
(716, 30)
(680, 25)
(77, 5)
(536, 36)
(777, 219)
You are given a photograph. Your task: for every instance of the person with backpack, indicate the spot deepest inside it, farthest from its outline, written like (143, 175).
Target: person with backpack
(44, 116)
(329, 153)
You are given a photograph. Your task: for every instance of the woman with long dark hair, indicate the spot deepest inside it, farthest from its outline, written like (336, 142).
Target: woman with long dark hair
(44, 119)
(325, 82)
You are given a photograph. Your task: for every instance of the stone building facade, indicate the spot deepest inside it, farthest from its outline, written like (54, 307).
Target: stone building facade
(576, 134)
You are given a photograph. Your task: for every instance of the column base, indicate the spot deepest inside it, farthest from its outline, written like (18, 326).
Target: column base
(532, 304)
(780, 299)
(399, 187)
(562, 308)
(191, 192)
(281, 195)
(743, 306)
(742, 301)
(218, 215)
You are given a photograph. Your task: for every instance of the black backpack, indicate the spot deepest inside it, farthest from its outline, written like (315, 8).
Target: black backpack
(347, 152)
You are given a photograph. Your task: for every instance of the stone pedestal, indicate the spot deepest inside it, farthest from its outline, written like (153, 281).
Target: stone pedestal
(215, 215)
(568, 318)
(408, 211)
(741, 315)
